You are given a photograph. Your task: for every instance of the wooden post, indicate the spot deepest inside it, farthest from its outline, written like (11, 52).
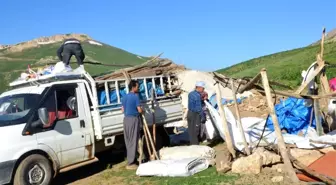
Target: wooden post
(281, 144)
(227, 135)
(147, 143)
(319, 128)
(247, 149)
(320, 61)
(146, 129)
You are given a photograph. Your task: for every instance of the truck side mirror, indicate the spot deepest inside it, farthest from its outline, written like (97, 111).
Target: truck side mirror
(43, 115)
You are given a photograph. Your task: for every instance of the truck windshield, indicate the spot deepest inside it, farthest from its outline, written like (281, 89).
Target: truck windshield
(15, 107)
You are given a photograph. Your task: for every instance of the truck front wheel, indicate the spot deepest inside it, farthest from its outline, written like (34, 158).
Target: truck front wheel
(34, 169)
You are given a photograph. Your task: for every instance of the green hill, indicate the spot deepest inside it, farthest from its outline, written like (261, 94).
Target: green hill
(286, 67)
(15, 59)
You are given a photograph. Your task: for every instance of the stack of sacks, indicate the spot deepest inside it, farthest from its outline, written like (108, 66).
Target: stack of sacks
(179, 161)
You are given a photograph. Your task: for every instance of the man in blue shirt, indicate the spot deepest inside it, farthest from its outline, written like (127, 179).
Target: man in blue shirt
(132, 110)
(195, 113)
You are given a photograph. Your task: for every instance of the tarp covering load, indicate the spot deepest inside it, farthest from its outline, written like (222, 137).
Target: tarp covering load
(293, 115)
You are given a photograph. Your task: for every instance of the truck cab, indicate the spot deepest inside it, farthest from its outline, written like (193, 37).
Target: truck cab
(56, 123)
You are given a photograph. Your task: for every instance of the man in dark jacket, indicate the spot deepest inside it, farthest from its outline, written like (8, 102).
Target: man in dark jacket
(71, 47)
(195, 113)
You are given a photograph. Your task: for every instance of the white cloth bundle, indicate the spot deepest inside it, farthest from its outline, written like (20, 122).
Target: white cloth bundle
(173, 168)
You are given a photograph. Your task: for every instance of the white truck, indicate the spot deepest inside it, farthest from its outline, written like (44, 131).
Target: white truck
(56, 123)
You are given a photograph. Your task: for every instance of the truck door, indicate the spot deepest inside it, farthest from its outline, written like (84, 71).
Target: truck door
(66, 130)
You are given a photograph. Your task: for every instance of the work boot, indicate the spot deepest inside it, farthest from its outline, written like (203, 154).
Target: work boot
(132, 167)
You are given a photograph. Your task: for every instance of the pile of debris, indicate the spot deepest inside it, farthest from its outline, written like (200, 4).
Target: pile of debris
(153, 67)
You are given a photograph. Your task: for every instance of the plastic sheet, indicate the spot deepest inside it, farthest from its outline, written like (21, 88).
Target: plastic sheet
(213, 100)
(293, 115)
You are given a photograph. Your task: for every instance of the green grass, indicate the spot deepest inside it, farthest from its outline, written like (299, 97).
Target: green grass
(206, 177)
(11, 69)
(284, 67)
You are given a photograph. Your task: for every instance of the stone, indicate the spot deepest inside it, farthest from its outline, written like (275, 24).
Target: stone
(223, 161)
(212, 162)
(279, 167)
(268, 157)
(248, 165)
(252, 164)
(276, 179)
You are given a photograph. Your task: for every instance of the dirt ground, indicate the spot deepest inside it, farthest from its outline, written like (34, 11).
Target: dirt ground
(111, 170)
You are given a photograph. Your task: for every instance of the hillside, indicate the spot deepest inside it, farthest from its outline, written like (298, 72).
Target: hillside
(286, 67)
(14, 59)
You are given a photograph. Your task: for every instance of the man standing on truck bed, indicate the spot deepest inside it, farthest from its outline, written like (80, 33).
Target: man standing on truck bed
(132, 110)
(71, 47)
(195, 113)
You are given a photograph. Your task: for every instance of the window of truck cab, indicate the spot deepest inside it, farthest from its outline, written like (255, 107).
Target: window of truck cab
(61, 104)
(14, 109)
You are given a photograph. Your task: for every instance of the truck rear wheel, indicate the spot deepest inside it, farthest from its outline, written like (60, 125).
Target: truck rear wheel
(34, 169)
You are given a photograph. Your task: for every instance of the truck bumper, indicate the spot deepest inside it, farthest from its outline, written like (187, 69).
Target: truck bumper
(6, 171)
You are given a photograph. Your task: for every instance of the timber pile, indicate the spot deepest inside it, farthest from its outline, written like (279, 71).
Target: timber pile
(155, 67)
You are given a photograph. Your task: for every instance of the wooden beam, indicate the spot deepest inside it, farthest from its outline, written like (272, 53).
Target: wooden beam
(250, 84)
(146, 129)
(311, 172)
(281, 144)
(319, 128)
(247, 149)
(228, 139)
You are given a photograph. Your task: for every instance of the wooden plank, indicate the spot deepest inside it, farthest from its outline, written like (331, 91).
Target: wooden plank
(250, 84)
(313, 173)
(146, 129)
(228, 139)
(247, 149)
(281, 144)
(319, 128)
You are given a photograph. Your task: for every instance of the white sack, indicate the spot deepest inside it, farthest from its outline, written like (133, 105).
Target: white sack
(173, 168)
(60, 67)
(193, 151)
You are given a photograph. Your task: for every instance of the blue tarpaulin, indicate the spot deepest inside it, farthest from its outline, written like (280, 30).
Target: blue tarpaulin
(213, 100)
(292, 115)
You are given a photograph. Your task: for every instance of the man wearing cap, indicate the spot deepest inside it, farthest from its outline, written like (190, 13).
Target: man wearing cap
(195, 113)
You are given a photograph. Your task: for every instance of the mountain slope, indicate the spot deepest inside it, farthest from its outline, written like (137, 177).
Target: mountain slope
(14, 59)
(286, 67)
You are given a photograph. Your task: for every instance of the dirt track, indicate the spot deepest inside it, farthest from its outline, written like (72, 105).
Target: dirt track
(86, 174)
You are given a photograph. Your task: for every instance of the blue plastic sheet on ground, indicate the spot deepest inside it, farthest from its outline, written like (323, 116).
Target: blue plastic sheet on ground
(292, 115)
(213, 100)
(122, 92)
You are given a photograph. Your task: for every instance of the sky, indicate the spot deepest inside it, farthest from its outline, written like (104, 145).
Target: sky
(203, 35)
